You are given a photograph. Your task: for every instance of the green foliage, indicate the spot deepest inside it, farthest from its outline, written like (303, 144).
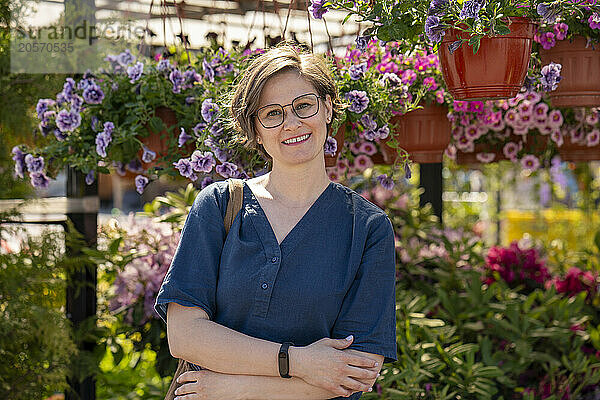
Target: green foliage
(36, 345)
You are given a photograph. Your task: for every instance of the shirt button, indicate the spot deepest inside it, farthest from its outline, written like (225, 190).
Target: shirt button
(264, 286)
(274, 259)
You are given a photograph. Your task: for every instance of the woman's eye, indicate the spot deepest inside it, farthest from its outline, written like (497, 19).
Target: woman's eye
(273, 113)
(303, 105)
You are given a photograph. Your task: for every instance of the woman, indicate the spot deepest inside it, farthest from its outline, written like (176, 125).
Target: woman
(306, 261)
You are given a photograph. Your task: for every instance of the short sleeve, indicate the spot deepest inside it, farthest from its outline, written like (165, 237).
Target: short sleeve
(191, 279)
(369, 308)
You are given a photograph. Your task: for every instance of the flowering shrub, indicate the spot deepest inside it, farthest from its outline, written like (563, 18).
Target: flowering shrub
(585, 23)
(575, 282)
(523, 129)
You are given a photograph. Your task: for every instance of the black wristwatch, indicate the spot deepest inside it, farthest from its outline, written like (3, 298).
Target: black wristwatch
(283, 360)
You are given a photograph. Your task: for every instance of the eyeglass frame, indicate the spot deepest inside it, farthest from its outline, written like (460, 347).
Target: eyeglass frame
(283, 109)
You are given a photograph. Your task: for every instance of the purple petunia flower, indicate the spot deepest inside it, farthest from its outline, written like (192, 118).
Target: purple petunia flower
(368, 148)
(434, 29)
(330, 146)
(209, 109)
(183, 138)
(530, 162)
(85, 83)
(148, 155)
(42, 106)
(547, 40)
(134, 166)
(594, 21)
(140, 183)
(60, 136)
(547, 12)
(205, 182)
(593, 138)
(90, 177)
(392, 79)
(102, 142)
(550, 76)
(68, 121)
(76, 103)
(471, 9)
(557, 137)
(358, 101)
(177, 79)
(209, 72)
(108, 127)
(164, 65)
(39, 180)
(199, 127)
(222, 155)
(202, 161)
(125, 58)
(135, 72)
(93, 94)
(185, 168)
(226, 170)
(190, 76)
(386, 181)
(383, 132)
(438, 7)
(19, 159)
(47, 116)
(316, 8)
(217, 130)
(362, 42)
(560, 30)
(357, 71)
(367, 122)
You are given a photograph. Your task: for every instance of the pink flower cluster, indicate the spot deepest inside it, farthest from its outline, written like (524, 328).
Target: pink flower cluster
(548, 39)
(586, 131)
(576, 281)
(516, 266)
(362, 151)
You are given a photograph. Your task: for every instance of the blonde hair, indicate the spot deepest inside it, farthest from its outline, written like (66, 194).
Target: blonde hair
(244, 101)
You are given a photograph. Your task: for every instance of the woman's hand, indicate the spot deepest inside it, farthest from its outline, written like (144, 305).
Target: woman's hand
(324, 364)
(205, 384)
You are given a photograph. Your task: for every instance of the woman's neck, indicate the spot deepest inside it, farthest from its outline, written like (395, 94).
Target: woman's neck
(295, 187)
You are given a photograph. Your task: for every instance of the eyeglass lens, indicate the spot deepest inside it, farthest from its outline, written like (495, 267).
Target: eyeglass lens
(304, 106)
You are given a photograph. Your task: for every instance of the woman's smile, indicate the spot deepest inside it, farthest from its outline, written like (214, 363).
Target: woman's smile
(297, 140)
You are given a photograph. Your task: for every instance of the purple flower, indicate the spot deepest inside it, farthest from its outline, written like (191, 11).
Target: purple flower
(183, 138)
(358, 101)
(471, 9)
(90, 177)
(209, 109)
(510, 150)
(164, 65)
(316, 8)
(392, 79)
(434, 29)
(438, 7)
(93, 94)
(222, 155)
(85, 82)
(557, 137)
(42, 106)
(76, 103)
(39, 180)
(530, 162)
(68, 121)
(216, 130)
(45, 120)
(148, 155)
(594, 21)
(190, 77)
(548, 12)
(108, 127)
(125, 58)
(547, 40)
(199, 127)
(357, 71)
(407, 171)
(550, 76)
(60, 136)
(19, 159)
(205, 182)
(330, 146)
(226, 170)
(367, 122)
(177, 79)
(560, 30)
(202, 161)
(135, 72)
(593, 138)
(383, 132)
(209, 72)
(134, 166)
(368, 148)
(362, 42)
(185, 168)
(102, 141)
(140, 183)
(386, 181)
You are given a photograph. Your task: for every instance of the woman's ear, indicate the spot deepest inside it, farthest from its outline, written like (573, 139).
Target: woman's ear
(329, 107)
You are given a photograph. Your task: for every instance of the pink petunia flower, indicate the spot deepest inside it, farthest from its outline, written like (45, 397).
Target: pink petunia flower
(540, 110)
(485, 157)
(555, 118)
(472, 133)
(525, 108)
(368, 148)
(577, 135)
(594, 21)
(510, 150)
(557, 137)
(593, 138)
(465, 145)
(548, 40)
(511, 117)
(560, 30)
(592, 119)
(450, 152)
(530, 162)
(362, 162)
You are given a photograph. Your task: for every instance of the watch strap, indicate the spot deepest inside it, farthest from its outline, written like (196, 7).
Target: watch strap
(283, 360)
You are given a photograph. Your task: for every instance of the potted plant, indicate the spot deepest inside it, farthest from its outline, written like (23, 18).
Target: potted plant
(499, 35)
(573, 41)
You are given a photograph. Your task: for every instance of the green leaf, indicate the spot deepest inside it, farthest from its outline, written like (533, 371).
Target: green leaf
(502, 30)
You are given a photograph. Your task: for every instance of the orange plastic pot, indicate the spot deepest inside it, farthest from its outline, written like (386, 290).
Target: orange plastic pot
(580, 84)
(496, 71)
(423, 133)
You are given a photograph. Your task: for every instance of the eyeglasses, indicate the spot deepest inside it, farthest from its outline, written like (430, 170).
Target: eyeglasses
(304, 106)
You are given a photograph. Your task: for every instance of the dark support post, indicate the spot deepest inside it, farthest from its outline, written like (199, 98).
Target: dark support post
(81, 289)
(430, 179)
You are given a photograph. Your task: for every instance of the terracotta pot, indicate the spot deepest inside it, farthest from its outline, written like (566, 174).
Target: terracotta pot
(580, 84)
(423, 133)
(498, 69)
(575, 152)
(331, 161)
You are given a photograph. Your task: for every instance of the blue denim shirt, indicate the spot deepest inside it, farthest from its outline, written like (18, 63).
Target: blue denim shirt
(332, 276)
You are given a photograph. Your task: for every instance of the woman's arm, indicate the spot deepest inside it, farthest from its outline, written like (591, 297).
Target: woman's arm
(193, 337)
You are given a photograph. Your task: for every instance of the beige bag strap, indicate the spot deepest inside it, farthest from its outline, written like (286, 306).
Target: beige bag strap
(234, 205)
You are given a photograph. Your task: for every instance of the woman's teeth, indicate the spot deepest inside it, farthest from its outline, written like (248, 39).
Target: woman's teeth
(296, 139)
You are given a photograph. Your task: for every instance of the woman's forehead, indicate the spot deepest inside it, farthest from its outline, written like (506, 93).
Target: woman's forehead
(284, 87)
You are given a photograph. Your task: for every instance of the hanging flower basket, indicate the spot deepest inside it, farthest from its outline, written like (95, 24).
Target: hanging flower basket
(484, 153)
(331, 160)
(423, 133)
(496, 71)
(580, 84)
